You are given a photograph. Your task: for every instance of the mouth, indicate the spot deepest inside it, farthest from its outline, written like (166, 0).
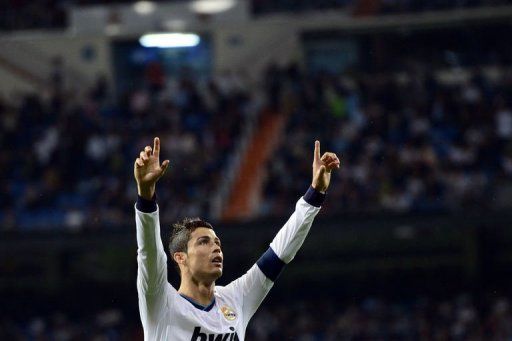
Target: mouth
(217, 260)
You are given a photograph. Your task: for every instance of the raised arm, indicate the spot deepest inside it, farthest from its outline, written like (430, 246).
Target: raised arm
(290, 238)
(256, 283)
(151, 259)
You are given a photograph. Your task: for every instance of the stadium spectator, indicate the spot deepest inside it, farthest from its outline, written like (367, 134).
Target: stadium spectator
(201, 121)
(440, 147)
(444, 146)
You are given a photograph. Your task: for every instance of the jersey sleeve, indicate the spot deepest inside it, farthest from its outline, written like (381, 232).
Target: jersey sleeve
(291, 236)
(152, 283)
(253, 286)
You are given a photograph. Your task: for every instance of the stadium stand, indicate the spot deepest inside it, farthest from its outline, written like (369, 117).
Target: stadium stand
(418, 138)
(442, 147)
(425, 318)
(78, 148)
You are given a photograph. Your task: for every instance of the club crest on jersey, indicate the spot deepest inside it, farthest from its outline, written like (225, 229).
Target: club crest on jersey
(228, 313)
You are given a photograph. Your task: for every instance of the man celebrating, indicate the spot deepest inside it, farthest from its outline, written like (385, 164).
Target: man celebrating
(199, 310)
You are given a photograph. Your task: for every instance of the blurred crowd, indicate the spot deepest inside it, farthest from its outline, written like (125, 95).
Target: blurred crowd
(104, 325)
(375, 319)
(459, 318)
(414, 139)
(68, 158)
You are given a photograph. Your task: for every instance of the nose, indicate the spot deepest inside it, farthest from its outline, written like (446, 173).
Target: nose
(217, 249)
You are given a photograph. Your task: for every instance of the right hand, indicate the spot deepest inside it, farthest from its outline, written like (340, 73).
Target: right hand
(147, 170)
(322, 167)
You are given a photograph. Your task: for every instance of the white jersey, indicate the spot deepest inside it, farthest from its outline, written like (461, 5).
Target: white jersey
(167, 315)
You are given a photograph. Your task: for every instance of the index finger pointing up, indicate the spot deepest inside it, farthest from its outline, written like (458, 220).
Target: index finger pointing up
(156, 147)
(317, 150)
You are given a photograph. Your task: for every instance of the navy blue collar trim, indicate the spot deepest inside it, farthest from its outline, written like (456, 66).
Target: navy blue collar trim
(199, 306)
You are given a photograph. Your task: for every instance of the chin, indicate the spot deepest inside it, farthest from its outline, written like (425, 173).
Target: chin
(211, 276)
(218, 273)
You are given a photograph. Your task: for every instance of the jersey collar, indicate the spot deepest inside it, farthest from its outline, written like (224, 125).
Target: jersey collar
(200, 306)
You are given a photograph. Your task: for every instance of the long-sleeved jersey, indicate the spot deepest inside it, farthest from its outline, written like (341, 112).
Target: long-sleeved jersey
(167, 315)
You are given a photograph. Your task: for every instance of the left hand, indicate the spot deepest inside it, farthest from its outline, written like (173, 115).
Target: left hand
(322, 167)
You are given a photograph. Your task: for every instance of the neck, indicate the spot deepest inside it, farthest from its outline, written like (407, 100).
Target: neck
(200, 292)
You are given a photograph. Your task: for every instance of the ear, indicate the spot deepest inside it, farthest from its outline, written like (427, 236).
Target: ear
(180, 257)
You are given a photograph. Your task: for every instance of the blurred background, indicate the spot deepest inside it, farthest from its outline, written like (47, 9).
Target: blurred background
(415, 239)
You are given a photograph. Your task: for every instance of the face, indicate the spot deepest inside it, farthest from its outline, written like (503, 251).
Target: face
(204, 258)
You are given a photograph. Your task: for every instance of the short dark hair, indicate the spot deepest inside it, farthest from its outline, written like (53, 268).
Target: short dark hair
(181, 234)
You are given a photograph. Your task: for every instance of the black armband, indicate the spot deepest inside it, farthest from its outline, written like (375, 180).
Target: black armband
(314, 197)
(146, 206)
(270, 264)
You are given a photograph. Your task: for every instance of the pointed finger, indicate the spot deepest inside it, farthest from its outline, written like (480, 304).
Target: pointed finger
(156, 147)
(317, 150)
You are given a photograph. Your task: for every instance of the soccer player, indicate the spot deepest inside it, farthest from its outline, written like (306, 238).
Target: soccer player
(199, 310)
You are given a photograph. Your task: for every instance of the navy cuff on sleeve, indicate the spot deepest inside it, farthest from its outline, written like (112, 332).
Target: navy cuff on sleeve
(270, 264)
(146, 206)
(314, 197)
